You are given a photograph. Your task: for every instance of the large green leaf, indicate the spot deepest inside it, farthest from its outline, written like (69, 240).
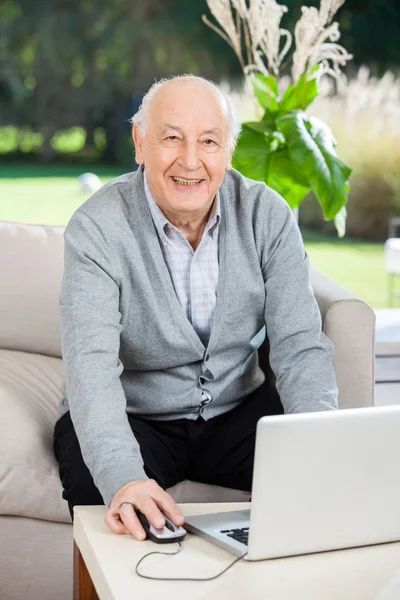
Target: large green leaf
(254, 158)
(311, 148)
(258, 126)
(250, 157)
(273, 138)
(301, 95)
(283, 177)
(266, 91)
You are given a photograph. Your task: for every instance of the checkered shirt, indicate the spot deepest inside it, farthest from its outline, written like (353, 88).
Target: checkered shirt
(194, 273)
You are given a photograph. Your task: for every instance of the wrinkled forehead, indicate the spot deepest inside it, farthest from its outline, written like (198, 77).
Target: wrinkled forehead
(189, 107)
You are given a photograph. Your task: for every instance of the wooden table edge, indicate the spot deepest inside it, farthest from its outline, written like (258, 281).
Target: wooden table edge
(83, 586)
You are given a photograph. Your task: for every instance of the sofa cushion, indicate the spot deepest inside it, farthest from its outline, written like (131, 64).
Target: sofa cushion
(30, 393)
(31, 268)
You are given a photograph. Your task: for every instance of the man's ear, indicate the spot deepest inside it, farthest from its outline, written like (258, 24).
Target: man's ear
(138, 141)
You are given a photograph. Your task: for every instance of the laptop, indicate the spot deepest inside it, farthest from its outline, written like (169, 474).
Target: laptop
(321, 481)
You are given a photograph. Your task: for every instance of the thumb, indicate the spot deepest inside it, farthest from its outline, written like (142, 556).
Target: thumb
(113, 521)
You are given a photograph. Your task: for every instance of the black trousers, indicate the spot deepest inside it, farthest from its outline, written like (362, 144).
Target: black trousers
(219, 451)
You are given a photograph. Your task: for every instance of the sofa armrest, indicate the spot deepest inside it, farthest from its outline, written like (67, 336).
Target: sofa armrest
(349, 322)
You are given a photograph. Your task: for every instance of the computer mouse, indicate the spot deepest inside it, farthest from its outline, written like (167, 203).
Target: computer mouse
(166, 535)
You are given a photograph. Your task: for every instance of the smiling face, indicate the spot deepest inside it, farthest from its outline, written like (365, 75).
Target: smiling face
(185, 148)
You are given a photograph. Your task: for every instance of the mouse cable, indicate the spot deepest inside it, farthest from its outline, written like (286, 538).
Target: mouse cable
(180, 547)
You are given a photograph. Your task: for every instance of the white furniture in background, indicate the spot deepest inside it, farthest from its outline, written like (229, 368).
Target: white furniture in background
(387, 356)
(392, 258)
(366, 573)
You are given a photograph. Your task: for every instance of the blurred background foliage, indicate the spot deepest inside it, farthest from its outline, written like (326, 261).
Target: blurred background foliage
(73, 71)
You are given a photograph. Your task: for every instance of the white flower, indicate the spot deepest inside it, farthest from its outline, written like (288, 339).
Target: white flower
(221, 10)
(328, 9)
(254, 25)
(241, 7)
(311, 32)
(263, 20)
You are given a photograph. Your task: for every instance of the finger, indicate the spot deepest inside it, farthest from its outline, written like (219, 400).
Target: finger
(114, 523)
(128, 516)
(149, 508)
(172, 511)
(168, 505)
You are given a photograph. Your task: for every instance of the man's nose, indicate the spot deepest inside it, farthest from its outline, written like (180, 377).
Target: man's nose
(189, 158)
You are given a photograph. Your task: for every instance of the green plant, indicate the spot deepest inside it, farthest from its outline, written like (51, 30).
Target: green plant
(289, 150)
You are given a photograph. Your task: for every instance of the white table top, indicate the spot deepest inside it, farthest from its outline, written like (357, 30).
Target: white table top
(367, 573)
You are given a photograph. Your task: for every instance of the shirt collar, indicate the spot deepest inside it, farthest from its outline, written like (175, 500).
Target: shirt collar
(161, 221)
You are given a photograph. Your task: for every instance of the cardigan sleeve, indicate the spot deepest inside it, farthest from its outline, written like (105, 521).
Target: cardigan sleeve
(300, 353)
(90, 337)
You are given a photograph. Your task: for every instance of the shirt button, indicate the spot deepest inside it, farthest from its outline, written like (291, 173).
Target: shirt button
(164, 240)
(200, 304)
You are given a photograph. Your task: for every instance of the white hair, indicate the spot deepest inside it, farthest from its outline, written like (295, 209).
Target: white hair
(141, 118)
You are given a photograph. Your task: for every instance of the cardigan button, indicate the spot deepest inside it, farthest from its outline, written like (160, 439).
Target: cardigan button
(207, 398)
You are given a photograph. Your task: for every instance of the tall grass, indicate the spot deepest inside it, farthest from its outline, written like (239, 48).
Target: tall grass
(365, 119)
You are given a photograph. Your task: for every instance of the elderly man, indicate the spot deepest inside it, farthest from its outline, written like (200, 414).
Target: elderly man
(173, 276)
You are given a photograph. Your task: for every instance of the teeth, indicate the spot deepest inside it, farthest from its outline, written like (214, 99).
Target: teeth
(186, 181)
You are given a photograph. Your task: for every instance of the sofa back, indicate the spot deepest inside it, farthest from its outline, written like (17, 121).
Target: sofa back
(31, 268)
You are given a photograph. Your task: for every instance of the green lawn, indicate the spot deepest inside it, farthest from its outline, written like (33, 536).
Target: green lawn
(356, 265)
(49, 195)
(46, 195)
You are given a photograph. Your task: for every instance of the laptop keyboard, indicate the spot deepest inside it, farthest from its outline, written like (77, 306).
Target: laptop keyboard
(240, 535)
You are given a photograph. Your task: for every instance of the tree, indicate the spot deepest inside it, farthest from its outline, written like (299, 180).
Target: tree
(78, 62)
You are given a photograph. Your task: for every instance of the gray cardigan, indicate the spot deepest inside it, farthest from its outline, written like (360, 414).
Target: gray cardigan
(128, 346)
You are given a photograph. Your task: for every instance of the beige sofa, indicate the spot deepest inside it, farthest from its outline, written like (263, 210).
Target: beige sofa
(35, 528)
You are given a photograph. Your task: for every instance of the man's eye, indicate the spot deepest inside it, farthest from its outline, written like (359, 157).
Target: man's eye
(172, 138)
(209, 142)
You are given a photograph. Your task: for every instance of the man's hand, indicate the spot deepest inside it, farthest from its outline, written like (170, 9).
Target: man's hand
(150, 499)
